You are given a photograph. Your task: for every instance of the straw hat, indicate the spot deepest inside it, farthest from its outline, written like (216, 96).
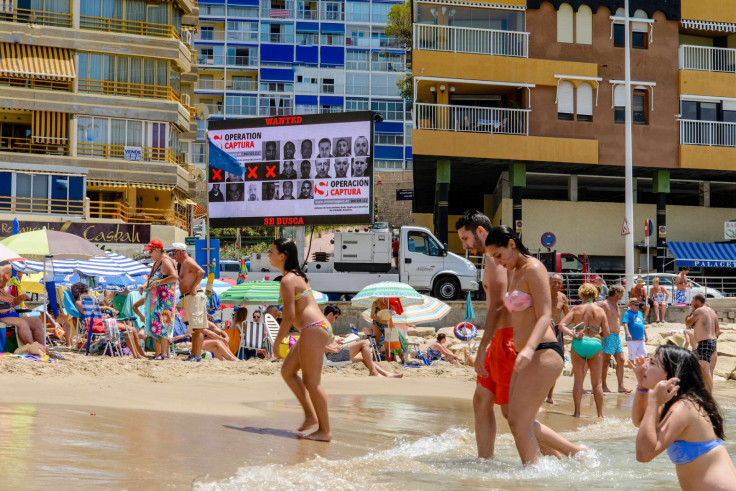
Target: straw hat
(634, 300)
(640, 281)
(384, 315)
(676, 339)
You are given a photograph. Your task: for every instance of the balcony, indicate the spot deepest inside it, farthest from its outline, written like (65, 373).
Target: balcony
(471, 40)
(472, 119)
(707, 133)
(707, 59)
(38, 17)
(139, 28)
(388, 66)
(22, 204)
(237, 61)
(209, 35)
(241, 110)
(124, 152)
(60, 146)
(307, 14)
(128, 89)
(119, 211)
(219, 86)
(283, 11)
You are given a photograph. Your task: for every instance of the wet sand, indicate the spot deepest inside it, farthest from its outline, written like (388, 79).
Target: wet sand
(102, 423)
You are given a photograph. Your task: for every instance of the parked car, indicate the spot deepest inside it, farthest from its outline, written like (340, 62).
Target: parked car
(381, 227)
(667, 280)
(230, 268)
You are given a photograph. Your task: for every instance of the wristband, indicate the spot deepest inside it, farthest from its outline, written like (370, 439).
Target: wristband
(642, 391)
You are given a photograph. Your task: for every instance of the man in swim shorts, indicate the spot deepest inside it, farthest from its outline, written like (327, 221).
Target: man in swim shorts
(636, 335)
(704, 321)
(612, 345)
(681, 285)
(494, 365)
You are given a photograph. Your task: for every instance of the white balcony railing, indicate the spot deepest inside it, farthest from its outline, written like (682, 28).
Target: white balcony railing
(471, 40)
(472, 119)
(220, 85)
(707, 59)
(709, 133)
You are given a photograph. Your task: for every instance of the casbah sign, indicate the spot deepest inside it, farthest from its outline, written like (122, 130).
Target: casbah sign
(112, 233)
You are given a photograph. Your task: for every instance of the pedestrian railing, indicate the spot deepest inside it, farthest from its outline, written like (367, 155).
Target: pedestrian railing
(471, 40)
(471, 119)
(710, 133)
(707, 59)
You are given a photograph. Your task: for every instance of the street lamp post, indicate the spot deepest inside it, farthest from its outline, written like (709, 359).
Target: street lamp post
(628, 164)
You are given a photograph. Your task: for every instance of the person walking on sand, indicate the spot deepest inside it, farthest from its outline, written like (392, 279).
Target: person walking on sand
(681, 286)
(612, 345)
(675, 411)
(161, 305)
(704, 321)
(301, 310)
(193, 298)
(658, 296)
(560, 308)
(539, 361)
(636, 333)
(590, 328)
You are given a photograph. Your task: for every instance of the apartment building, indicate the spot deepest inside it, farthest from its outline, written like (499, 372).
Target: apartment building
(520, 109)
(285, 57)
(96, 116)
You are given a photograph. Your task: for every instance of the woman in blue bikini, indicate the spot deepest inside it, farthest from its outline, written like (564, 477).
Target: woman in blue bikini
(302, 311)
(590, 327)
(675, 411)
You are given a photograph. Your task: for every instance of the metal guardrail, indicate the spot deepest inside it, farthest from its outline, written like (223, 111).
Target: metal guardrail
(471, 40)
(20, 204)
(140, 28)
(472, 119)
(42, 17)
(110, 151)
(710, 133)
(26, 145)
(128, 89)
(707, 59)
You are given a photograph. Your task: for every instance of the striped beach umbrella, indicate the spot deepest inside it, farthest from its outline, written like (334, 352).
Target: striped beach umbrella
(109, 264)
(430, 310)
(260, 292)
(387, 289)
(38, 244)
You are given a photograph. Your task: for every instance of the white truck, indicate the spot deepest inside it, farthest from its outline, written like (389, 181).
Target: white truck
(362, 258)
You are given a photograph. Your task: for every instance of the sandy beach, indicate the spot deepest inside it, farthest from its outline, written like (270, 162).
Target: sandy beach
(244, 416)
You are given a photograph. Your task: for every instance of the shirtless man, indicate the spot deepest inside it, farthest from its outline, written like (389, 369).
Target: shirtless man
(30, 329)
(640, 291)
(193, 298)
(560, 308)
(681, 285)
(495, 364)
(612, 345)
(704, 322)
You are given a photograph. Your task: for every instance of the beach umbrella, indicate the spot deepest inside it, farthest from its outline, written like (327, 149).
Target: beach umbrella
(469, 314)
(98, 283)
(430, 310)
(110, 264)
(7, 254)
(260, 293)
(387, 289)
(39, 244)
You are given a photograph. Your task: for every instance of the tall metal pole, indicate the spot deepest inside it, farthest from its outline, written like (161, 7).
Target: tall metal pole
(207, 218)
(629, 166)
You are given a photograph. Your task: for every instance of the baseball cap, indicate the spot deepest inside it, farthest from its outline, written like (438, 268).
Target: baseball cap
(177, 246)
(154, 244)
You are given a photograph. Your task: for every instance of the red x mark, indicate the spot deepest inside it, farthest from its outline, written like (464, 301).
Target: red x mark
(252, 172)
(217, 174)
(271, 171)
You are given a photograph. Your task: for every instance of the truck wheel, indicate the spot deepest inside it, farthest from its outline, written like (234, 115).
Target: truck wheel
(446, 289)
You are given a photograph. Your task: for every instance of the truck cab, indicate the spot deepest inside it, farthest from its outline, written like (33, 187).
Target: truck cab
(575, 270)
(426, 264)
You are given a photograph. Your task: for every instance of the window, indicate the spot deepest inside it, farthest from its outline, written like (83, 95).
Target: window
(619, 31)
(208, 10)
(640, 103)
(584, 25)
(241, 83)
(34, 187)
(356, 104)
(242, 31)
(242, 56)
(619, 104)
(332, 10)
(306, 39)
(585, 102)
(640, 31)
(276, 87)
(358, 11)
(565, 101)
(384, 84)
(356, 60)
(276, 106)
(390, 110)
(239, 105)
(422, 243)
(328, 85)
(306, 109)
(356, 83)
(332, 39)
(564, 24)
(207, 33)
(240, 11)
(277, 33)
(379, 12)
(395, 140)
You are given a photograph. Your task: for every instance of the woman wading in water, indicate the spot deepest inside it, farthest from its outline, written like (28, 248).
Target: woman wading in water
(301, 310)
(540, 357)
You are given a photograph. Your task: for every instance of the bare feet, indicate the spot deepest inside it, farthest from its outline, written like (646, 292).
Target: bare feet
(551, 401)
(606, 389)
(575, 415)
(624, 390)
(308, 423)
(318, 436)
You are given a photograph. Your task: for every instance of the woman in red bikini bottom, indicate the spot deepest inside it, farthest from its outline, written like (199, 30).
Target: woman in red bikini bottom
(301, 310)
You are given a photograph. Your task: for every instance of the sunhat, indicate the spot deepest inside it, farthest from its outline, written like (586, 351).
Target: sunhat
(640, 281)
(633, 300)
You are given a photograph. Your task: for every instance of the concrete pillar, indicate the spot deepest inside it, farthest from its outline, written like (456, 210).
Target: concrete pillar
(76, 12)
(660, 188)
(572, 188)
(517, 181)
(73, 124)
(443, 190)
(704, 192)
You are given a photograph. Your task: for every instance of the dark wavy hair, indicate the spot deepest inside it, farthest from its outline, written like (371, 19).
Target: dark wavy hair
(288, 248)
(78, 289)
(500, 236)
(472, 219)
(681, 363)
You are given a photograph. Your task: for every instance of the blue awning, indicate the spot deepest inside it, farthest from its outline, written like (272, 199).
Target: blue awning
(330, 100)
(333, 28)
(307, 27)
(307, 100)
(704, 254)
(242, 3)
(277, 75)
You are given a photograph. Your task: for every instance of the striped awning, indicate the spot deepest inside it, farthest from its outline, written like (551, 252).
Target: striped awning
(706, 25)
(49, 127)
(102, 183)
(36, 62)
(704, 254)
(150, 185)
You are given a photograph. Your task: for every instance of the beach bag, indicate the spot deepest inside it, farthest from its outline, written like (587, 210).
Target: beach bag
(3, 335)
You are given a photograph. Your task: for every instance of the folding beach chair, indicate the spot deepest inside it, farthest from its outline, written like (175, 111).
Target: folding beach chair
(396, 339)
(272, 331)
(251, 337)
(75, 317)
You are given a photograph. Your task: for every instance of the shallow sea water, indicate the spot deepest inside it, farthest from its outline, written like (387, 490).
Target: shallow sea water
(380, 443)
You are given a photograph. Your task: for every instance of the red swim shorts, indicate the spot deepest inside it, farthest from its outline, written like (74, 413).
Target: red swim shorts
(499, 364)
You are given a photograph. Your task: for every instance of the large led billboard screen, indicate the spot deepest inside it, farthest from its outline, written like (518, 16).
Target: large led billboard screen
(291, 170)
